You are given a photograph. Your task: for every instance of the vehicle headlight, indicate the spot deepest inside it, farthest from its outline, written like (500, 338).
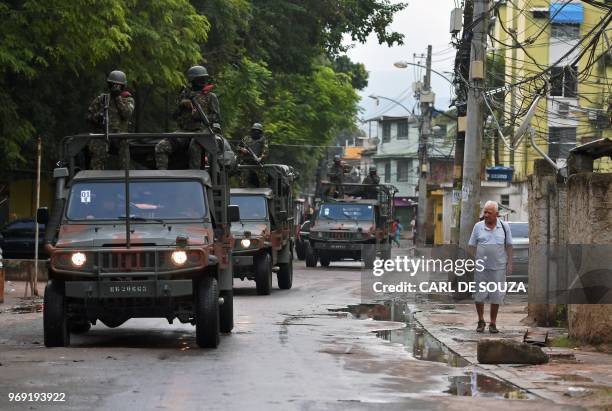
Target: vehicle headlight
(78, 259)
(320, 234)
(245, 243)
(179, 257)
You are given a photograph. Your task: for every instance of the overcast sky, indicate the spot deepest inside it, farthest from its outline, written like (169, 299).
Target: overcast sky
(423, 22)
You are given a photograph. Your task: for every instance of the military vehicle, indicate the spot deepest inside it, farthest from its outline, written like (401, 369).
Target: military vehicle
(353, 226)
(264, 238)
(139, 243)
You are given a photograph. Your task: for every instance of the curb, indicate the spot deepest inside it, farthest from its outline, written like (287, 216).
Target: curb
(493, 369)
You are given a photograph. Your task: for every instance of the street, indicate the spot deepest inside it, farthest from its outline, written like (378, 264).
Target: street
(287, 351)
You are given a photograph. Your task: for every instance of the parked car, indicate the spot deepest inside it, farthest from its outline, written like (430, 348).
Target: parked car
(17, 239)
(520, 250)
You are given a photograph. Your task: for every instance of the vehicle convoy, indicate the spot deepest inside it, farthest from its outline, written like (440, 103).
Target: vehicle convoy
(264, 238)
(139, 243)
(353, 226)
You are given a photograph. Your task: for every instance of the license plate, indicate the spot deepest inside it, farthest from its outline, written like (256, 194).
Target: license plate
(131, 289)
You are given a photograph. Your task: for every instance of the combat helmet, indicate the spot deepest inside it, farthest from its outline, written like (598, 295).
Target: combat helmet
(117, 77)
(195, 72)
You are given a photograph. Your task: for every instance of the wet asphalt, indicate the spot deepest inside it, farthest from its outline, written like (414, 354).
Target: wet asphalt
(287, 351)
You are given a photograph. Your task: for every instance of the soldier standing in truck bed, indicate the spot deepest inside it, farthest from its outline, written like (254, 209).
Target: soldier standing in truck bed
(253, 150)
(188, 118)
(120, 109)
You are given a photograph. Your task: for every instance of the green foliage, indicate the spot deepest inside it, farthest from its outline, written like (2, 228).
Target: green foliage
(357, 71)
(278, 62)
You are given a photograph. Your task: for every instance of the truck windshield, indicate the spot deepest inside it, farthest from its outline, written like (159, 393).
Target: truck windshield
(149, 200)
(251, 207)
(346, 212)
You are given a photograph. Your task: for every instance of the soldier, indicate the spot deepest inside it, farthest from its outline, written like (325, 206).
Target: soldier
(336, 176)
(372, 178)
(120, 109)
(253, 150)
(188, 118)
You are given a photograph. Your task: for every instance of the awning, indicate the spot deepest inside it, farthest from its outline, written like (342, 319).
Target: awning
(564, 13)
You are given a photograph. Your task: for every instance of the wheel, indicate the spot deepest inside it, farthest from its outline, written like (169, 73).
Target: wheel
(299, 250)
(368, 256)
(55, 321)
(226, 312)
(311, 257)
(207, 313)
(80, 326)
(263, 274)
(285, 275)
(325, 261)
(386, 251)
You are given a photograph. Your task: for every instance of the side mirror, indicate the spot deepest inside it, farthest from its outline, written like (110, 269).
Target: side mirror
(233, 213)
(282, 215)
(42, 215)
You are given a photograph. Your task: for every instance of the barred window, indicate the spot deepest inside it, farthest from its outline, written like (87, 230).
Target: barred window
(402, 130)
(386, 132)
(560, 141)
(564, 81)
(403, 169)
(565, 31)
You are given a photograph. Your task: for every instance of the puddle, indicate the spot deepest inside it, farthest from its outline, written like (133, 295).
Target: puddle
(475, 384)
(423, 346)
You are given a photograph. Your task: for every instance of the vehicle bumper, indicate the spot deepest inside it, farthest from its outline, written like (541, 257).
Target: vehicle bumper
(333, 246)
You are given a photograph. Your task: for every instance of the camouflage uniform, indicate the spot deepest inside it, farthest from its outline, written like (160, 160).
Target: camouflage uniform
(336, 178)
(259, 177)
(188, 119)
(371, 192)
(120, 109)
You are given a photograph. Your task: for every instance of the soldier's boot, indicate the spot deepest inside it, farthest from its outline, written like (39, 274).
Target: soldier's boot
(195, 155)
(162, 150)
(98, 149)
(124, 152)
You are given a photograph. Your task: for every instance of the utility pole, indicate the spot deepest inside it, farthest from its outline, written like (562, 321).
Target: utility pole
(462, 71)
(472, 160)
(426, 98)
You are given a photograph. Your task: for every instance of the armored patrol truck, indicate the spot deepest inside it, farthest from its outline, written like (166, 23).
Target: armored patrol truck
(354, 225)
(139, 243)
(264, 238)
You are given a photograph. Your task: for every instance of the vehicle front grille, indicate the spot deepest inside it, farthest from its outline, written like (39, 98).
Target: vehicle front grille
(129, 261)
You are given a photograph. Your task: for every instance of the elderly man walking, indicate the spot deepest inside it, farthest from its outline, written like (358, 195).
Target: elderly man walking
(491, 242)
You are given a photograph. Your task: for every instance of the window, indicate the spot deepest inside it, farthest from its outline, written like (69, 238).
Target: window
(565, 31)
(149, 200)
(505, 200)
(403, 169)
(388, 172)
(560, 141)
(563, 81)
(386, 132)
(440, 131)
(402, 130)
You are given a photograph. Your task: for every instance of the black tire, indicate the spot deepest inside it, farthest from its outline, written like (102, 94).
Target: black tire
(80, 326)
(311, 257)
(368, 256)
(263, 274)
(226, 312)
(285, 275)
(55, 320)
(299, 250)
(207, 313)
(325, 261)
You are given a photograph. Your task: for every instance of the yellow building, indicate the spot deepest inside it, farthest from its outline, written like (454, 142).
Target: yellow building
(533, 37)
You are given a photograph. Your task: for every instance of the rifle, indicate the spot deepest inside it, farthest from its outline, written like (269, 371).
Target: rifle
(251, 152)
(106, 101)
(202, 114)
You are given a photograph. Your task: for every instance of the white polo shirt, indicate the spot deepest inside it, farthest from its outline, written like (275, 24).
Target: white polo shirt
(491, 244)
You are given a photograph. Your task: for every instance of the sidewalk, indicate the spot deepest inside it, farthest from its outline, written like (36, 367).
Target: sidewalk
(574, 376)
